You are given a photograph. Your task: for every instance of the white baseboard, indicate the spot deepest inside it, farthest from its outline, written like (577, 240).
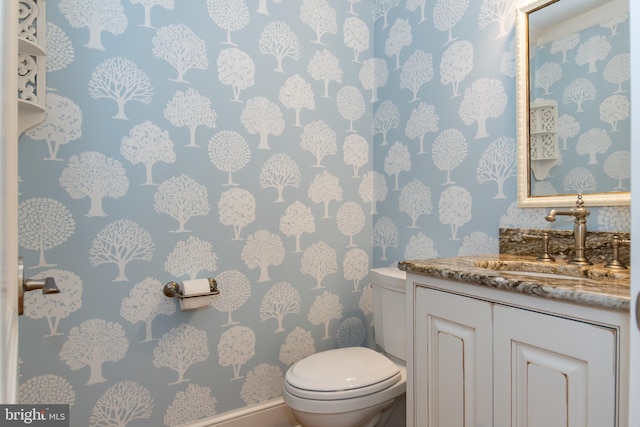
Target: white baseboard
(273, 413)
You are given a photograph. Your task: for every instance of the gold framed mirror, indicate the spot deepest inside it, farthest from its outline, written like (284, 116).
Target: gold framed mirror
(542, 115)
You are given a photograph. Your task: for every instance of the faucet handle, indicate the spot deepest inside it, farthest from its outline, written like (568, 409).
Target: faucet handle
(615, 263)
(546, 257)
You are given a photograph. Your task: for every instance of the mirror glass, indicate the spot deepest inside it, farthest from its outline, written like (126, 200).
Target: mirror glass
(573, 90)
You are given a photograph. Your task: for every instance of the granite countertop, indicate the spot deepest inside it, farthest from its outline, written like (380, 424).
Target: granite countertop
(591, 286)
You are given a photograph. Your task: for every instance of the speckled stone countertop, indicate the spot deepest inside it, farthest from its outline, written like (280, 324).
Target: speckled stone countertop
(588, 285)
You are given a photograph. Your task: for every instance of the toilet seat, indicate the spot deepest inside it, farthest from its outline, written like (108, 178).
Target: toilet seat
(343, 373)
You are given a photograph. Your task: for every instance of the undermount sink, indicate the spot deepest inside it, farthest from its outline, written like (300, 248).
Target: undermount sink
(555, 270)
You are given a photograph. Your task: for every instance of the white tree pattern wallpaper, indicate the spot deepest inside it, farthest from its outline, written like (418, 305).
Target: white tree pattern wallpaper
(283, 147)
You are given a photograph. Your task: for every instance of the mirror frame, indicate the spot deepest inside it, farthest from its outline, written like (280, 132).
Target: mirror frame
(525, 199)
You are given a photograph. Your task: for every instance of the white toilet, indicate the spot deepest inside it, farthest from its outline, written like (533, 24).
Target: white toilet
(356, 386)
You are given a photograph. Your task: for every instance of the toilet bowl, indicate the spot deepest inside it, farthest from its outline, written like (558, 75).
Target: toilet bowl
(355, 386)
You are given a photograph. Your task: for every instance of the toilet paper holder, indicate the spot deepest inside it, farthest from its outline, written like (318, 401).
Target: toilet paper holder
(172, 290)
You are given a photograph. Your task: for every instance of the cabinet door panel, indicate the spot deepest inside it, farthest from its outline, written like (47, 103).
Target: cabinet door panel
(552, 372)
(453, 361)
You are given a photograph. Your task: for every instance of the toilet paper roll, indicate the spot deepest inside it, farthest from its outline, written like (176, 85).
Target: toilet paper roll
(195, 287)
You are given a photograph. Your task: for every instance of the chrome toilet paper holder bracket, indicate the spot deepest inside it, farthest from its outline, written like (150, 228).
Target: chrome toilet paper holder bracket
(172, 290)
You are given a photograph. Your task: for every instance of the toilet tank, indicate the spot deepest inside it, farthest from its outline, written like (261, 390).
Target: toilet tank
(389, 310)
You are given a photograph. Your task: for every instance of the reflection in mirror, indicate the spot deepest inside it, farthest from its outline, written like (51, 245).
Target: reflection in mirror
(573, 102)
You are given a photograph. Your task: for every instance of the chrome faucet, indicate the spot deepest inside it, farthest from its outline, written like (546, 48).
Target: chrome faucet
(580, 214)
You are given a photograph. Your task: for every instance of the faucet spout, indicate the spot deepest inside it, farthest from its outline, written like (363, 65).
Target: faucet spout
(551, 217)
(580, 214)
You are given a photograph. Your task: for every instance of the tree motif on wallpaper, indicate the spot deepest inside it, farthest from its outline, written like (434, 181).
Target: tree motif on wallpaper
(593, 142)
(325, 308)
(119, 243)
(613, 109)
(516, 217)
(120, 404)
(350, 220)
(192, 404)
(612, 24)
(456, 64)
(47, 390)
(181, 198)
(237, 208)
(263, 249)
(280, 171)
(320, 16)
(60, 51)
(279, 40)
(568, 127)
(229, 152)
(318, 139)
(454, 208)
(351, 333)
(365, 303)
(296, 94)
(617, 70)
(281, 299)
(385, 235)
(235, 69)
(415, 201)
(373, 75)
(181, 48)
(62, 124)
(230, 15)
(298, 345)
(145, 302)
(398, 160)
(416, 71)
(414, 5)
(543, 187)
(190, 109)
(579, 91)
(381, 9)
(579, 180)
(148, 5)
(61, 305)
(296, 220)
(147, 144)
(96, 176)
(499, 12)
(386, 117)
(594, 49)
(423, 119)
(324, 189)
(235, 290)
(236, 347)
(351, 105)
(262, 6)
(93, 343)
(97, 16)
(508, 60)
(190, 257)
(355, 267)
(546, 75)
(498, 163)
(614, 218)
(483, 100)
(121, 80)
(264, 382)
(399, 37)
(318, 261)
(446, 14)
(565, 44)
(478, 243)
(44, 223)
(263, 117)
(618, 167)
(420, 247)
(356, 36)
(373, 189)
(355, 152)
(324, 66)
(180, 348)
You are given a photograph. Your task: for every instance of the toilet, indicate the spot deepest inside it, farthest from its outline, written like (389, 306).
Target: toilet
(356, 386)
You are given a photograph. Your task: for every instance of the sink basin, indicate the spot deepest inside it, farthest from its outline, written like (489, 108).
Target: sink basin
(555, 270)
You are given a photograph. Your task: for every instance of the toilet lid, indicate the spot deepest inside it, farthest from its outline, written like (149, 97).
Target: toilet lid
(341, 369)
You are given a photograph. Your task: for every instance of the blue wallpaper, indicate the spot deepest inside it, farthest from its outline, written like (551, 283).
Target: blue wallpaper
(283, 148)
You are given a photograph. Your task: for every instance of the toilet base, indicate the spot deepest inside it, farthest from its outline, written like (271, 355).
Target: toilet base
(374, 416)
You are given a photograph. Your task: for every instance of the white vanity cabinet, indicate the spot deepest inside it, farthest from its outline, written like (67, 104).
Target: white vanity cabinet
(483, 357)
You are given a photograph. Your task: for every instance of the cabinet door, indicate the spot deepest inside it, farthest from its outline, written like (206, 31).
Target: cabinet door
(453, 360)
(552, 372)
